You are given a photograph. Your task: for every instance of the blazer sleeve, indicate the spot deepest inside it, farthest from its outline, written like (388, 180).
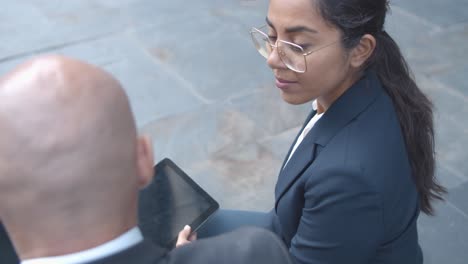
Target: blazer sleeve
(243, 245)
(341, 220)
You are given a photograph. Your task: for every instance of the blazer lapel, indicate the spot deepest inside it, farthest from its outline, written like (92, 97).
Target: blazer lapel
(347, 107)
(301, 160)
(311, 114)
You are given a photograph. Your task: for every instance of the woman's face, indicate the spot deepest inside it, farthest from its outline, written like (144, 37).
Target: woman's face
(328, 72)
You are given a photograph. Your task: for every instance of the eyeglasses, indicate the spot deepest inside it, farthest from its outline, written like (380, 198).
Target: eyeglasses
(291, 54)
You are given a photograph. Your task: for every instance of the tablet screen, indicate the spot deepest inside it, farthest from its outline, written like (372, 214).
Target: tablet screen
(171, 201)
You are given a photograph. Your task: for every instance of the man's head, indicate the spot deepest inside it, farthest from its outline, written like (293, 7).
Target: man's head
(71, 163)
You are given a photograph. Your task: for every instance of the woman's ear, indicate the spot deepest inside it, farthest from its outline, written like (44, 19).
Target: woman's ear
(145, 161)
(361, 53)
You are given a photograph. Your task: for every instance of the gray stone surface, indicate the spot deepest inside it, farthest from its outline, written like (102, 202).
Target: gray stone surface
(448, 177)
(457, 76)
(443, 13)
(221, 49)
(459, 196)
(199, 88)
(444, 237)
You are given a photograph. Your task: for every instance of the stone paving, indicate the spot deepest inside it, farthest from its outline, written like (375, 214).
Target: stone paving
(199, 88)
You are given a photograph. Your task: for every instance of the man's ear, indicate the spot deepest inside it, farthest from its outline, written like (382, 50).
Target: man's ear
(361, 53)
(145, 160)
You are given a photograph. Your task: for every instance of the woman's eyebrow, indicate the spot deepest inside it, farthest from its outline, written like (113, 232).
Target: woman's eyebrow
(294, 29)
(269, 22)
(300, 29)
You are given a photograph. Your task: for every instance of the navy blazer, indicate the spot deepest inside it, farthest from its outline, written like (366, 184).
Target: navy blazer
(347, 195)
(7, 252)
(245, 245)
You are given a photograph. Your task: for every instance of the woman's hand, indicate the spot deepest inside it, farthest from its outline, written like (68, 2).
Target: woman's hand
(185, 237)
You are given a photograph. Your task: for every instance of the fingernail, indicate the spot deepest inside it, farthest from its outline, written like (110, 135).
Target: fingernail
(187, 227)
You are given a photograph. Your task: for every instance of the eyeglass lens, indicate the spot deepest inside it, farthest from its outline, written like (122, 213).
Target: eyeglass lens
(292, 56)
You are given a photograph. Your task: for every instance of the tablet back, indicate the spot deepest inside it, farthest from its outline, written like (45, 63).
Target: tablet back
(171, 201)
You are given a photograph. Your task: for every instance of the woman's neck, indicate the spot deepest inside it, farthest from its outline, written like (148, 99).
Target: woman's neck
(325, 101)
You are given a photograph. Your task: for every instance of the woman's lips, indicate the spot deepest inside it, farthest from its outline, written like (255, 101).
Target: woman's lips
(283, 84)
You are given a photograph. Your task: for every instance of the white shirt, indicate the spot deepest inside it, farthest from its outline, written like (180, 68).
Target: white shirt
(121, 243)
(305, 131)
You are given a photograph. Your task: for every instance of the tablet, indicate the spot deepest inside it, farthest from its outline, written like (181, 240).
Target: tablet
(171, 201)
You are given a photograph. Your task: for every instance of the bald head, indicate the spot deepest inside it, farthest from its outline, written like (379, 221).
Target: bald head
(69, 152)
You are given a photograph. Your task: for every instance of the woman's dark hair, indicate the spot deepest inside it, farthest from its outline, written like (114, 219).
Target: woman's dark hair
(355, 18)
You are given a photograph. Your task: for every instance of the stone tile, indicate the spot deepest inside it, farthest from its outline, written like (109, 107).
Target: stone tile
(45, 25)
(279, 144)
(443, 13)
(443, 237)
(24, 32)
(451, 131)
(242, 178)
(153, 93)
(217, 148)
(448, 178)
(456, 78)
(244, 13)
(186, 137)
(144, 13)
(430, 49)
(397, 22)
(459, 197)
(218, 61)
(197, 135)
(268, 110)
(413, 39)
(451, 142)
(448, 102)
(448, 65)
(451, 148)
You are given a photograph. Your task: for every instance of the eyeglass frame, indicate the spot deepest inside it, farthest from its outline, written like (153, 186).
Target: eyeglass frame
(254, 30)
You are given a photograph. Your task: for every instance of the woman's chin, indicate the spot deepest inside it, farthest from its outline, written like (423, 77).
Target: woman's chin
(293, 99)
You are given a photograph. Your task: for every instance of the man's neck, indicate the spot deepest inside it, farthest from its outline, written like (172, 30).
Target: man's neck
(44, 240)
(111, 247)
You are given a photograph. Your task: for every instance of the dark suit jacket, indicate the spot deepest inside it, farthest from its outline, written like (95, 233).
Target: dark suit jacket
(7, 252)
(245, 245)
(347, 194)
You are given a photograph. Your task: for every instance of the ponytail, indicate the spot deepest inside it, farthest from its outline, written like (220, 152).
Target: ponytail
(355, 18)
(414, 111)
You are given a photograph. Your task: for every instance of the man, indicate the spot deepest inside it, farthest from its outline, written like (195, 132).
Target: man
(71, 165)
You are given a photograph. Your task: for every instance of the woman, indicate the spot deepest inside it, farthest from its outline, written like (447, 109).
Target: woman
(362, 168)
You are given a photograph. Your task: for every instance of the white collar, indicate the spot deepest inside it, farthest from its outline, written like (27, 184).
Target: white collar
(314, 105)
(124, 241)
(305, 131)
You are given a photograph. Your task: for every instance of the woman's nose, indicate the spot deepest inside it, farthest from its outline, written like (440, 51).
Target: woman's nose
(274, 61)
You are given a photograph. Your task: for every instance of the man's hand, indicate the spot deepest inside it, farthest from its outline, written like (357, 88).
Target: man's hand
(185, 237)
